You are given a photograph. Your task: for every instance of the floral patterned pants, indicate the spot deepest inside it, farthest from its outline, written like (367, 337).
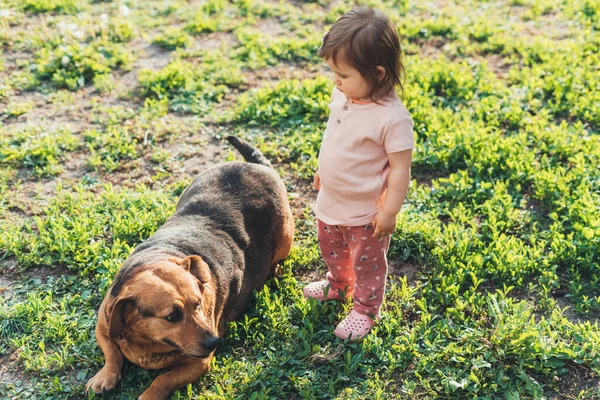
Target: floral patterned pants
(357, 262)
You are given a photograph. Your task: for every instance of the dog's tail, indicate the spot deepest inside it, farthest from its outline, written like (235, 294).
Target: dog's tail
(249, 152)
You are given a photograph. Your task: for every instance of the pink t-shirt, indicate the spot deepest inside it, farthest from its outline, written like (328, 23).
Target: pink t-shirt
(353, 162)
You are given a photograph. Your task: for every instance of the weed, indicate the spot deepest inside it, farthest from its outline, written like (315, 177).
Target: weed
(37, 148)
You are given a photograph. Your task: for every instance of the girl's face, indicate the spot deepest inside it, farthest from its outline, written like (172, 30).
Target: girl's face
(348, 80)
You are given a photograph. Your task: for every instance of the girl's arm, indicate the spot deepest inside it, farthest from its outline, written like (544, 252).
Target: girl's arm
(384, 223)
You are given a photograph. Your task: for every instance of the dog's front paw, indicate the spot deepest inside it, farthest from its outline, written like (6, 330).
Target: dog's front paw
(105, 380)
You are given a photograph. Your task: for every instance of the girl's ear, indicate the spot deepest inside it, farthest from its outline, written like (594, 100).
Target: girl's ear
(380, 72)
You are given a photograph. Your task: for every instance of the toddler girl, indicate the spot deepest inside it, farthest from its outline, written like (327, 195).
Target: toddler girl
(364, 164)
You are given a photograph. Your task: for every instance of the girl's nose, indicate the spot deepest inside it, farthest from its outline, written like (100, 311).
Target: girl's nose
(335, 80)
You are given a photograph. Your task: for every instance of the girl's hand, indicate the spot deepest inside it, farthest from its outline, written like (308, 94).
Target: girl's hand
(384, 224)
(317, 181)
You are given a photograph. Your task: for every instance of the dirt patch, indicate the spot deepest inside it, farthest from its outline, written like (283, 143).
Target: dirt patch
(214, 41)
(399, 270)
(271, 27)
(10, 373)
(569, 312)
(572, 383)
(204, 157)
(150, 57)
(289, 71)
(11, 275)
(499, 65)
(7, 276)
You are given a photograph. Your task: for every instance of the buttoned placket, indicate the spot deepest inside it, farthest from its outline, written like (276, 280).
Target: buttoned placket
(339, 118)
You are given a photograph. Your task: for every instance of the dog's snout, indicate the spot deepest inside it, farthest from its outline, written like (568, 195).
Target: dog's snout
(211, 343)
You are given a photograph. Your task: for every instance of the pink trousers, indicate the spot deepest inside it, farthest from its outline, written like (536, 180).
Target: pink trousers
(357, 262)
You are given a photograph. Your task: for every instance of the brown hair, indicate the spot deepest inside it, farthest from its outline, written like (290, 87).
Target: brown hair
(366, 39)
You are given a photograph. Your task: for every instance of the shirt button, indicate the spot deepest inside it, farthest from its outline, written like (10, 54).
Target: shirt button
(345, 108)
(339, 121)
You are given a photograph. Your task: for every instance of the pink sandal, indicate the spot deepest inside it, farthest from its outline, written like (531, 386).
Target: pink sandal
(317, 291)
(356, 326)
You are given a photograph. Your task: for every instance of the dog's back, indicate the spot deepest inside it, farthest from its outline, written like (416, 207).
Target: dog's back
(234, 216)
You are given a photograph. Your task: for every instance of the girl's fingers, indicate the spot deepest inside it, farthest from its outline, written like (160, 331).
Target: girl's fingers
(377, 231)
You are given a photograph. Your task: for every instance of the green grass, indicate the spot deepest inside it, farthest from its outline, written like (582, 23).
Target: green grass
(36, 148)
(501, 224)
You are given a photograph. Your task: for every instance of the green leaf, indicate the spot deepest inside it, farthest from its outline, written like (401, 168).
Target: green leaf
(512, 395)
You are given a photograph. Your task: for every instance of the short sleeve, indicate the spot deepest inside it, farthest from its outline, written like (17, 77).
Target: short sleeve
(399, 136)
(335, 94)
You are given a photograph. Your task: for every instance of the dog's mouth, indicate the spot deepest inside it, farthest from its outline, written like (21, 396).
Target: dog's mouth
(173, 344)
(197, 356)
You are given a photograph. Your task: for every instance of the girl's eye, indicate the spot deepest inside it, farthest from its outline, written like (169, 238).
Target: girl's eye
(175, 316)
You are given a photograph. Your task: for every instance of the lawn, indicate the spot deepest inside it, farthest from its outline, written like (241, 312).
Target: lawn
(108, 109)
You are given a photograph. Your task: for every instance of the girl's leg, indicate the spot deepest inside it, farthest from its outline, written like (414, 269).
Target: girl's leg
(369, 257)
(370, 267)
(336, 254)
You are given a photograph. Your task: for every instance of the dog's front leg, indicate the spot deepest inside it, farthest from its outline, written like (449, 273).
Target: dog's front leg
(176, 378)
(108, 377)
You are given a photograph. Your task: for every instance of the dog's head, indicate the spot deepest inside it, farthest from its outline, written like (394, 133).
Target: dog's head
(167, 306)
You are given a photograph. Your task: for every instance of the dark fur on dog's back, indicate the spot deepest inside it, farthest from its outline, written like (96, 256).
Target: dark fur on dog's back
(229, 216)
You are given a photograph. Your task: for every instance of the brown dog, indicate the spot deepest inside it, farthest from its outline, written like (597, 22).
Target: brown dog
(172, 300)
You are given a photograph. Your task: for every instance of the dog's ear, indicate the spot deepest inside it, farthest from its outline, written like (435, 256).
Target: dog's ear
(116, 317)
(198, 268)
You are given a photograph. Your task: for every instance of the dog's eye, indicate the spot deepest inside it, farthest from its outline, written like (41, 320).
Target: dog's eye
(175, 316)
(198, 304)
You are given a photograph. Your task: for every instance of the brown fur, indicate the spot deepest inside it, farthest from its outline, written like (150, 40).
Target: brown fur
(161, 277)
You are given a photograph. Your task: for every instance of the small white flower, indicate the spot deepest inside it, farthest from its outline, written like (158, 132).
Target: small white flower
(78, 34)
(65, 60)
(124, 10)
(72, 27)
(104, 18)
(4, 13)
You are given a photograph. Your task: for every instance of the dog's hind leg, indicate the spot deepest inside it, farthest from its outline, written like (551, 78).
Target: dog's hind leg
(286, 239)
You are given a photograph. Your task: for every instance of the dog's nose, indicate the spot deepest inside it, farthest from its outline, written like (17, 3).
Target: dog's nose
(211, 343)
